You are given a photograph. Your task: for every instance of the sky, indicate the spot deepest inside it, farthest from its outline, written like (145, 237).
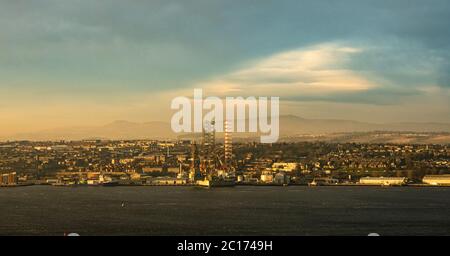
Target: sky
(90, 62)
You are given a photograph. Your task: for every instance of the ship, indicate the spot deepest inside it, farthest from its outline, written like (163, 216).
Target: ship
(215, 181)
(107, 181)
(323, 182)
(110, 183)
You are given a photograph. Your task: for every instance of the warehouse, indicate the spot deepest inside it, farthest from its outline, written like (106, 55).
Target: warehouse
(383, 181)
(437, 180)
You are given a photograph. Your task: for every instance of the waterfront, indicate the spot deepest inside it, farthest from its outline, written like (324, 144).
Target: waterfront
(243, 210)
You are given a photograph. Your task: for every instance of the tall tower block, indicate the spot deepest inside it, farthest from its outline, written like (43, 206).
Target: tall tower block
(228, 144)
(208, 147)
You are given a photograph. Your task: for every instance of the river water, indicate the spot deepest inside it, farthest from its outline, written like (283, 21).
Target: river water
(242, 210)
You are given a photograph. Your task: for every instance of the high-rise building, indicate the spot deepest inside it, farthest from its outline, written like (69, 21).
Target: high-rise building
(228, 145)
(208, 156)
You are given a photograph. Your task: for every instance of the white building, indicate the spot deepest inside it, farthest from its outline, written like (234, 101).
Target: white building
(383, 181)
(437, 180)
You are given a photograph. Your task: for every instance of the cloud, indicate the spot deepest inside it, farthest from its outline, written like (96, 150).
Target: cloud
(364, 72)
(157, 45)
(316, 71)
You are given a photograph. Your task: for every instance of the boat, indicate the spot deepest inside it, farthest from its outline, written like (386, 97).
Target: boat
(323, 182)
(216, 182)
(110, 183)
(64, 184)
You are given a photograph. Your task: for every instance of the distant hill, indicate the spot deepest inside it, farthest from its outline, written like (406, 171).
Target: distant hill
(290, 126)
(114, 130)
(375, 137)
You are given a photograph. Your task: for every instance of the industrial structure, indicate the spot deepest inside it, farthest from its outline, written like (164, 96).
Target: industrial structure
(194, 169)
(216, 167)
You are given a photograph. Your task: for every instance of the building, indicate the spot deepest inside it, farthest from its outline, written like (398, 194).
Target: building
(167, 181)
(173, 169)
(93, 175)
(383, 181)
(93, 182)
(135, 176)
(152, 169)
(267, 177)
(281, 178)
(437, 180)
(284, 167)
(152, 158)
(8, 179)
(126, 160)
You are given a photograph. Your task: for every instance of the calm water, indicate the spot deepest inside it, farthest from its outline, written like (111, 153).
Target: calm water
(46, 210)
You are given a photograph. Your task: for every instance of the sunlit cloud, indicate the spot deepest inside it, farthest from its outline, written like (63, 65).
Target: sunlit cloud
(313, 71)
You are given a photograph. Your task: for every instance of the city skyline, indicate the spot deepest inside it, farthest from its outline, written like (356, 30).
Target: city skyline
(225, 126)
(88, 63)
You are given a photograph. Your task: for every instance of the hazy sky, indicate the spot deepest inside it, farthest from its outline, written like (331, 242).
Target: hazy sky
(89, 62)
